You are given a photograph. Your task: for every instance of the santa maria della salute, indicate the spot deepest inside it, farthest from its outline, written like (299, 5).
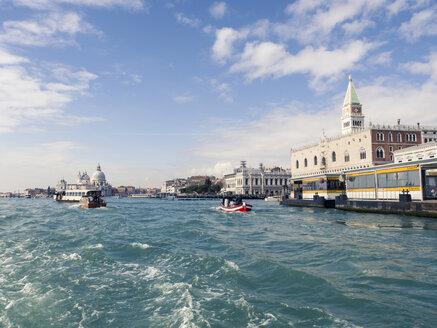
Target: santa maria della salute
(97, 181)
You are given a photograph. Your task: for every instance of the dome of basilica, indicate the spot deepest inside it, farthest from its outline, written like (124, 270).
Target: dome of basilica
(98, 176)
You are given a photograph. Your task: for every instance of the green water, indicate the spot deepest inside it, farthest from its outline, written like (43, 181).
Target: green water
(160, 263)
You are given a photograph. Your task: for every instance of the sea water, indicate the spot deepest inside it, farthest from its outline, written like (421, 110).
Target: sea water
(162, 263)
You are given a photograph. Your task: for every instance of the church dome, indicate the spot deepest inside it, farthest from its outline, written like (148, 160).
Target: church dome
(98, 176)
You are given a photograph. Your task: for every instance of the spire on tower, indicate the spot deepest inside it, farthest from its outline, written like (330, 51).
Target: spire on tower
(351, 95)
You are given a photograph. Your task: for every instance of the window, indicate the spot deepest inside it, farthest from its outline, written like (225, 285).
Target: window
(391, 158)
(390, 137)
(256, 182)
(399, 179)
(379, 153)
(315, 160)
(399, 137)
(379, 136)
(267, 182)
(323, 161)
(297, 164)
(346, 157)
(361, 181)
(247, 182)
(413, 137)
(305, 162)
(399, 147)
(280, 182)
(334, 156)
(362, 153)
(276, 182)
(390, 148)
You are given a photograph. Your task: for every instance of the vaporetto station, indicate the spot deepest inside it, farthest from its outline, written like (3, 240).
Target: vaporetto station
(373, 163)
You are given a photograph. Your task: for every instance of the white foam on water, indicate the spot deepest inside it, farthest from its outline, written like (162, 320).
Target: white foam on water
(97, 246)
(11, 303)
(140, 245)
(149, 273)
(27, 289)
(137, 271)
(232, 265)
(257, 322)
(361, 225)
(73, 257)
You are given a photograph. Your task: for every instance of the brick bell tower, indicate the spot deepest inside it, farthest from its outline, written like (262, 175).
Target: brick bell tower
(352, 119)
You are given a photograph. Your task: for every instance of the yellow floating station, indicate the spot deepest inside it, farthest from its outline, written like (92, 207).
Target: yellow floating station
(416, 179)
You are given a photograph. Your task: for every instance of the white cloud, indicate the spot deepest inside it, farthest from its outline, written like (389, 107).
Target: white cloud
(7, 58)
(358, 26)
(312, 22)
(303, 6)
(423, 23)
(265, 59)
(54, 28)
(183, 99)
(427, 68)
(223, 90)
(50, 4)
(193, 22)
(290, 126)
(223, 45)
(217, 169)
(384, 58)
(269, 137)
(218, 9)
(26, 99)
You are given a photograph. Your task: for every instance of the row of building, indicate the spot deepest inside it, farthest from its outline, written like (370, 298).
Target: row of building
(371, 161)
(323, 167)
(174, 186)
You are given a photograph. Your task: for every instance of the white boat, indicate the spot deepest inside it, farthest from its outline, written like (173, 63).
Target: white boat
(74, 195)
(272, 199)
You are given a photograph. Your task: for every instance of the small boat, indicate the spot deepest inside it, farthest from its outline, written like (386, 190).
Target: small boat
(92, 200)
(234, 204)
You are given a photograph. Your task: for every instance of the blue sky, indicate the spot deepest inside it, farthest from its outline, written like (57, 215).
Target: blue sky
(154, 90)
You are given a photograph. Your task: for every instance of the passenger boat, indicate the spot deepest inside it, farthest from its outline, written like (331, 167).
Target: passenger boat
(234, 204)
(88, 198)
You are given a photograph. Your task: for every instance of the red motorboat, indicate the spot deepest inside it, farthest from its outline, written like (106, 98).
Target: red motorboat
(234, 204)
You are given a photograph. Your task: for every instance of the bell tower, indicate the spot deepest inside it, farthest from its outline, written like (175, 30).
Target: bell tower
(352, 119)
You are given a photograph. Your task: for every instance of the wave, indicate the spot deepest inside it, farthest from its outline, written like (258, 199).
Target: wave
(73, 257)
(96, 246)
(140, 245)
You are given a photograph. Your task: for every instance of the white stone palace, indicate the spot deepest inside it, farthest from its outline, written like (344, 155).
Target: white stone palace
(256, 181)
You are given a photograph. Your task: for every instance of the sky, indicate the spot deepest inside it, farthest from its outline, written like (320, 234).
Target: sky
(158, 89)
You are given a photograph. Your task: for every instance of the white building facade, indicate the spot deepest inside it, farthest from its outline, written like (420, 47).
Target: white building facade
(256, 181)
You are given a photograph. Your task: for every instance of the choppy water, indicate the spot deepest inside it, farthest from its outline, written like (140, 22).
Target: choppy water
(158, 263)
